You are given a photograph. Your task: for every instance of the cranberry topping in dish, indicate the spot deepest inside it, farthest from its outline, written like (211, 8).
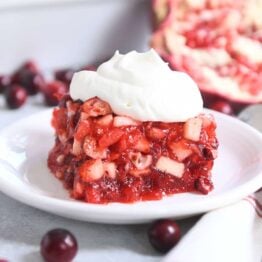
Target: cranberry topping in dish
(217, 42)
(102, 156)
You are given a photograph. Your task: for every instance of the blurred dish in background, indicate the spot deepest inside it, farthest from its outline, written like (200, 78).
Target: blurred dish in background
(219, 43)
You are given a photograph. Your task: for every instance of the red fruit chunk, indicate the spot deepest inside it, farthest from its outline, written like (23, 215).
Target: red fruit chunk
(204, 185)
(53, 92)
(5, 82)
(222, 107)
(83, 129)
(58, 245)
(110, 137)
(164, 234)
(16, 96)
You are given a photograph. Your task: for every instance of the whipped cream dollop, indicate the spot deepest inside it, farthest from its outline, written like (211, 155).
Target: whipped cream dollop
(142, 86)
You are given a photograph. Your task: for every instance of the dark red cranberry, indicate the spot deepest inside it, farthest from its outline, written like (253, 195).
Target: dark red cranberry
(31, 66)
(64, 75)
(58, 245)
(5, 81)
(164, 234)
(3, 260)
(29, 77)
(16, 96)
(53, 92)
(204, 185)
(222, 107)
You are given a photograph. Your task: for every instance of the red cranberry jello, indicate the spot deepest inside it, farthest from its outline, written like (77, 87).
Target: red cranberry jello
(133, 130)
(217, 42)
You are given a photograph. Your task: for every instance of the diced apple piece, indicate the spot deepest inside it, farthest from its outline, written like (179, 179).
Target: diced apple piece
(172, 167)
(90, 148)
(192, 129)
(140, 161)
(180, 150)
(91, 170)
(77, 147)
(105, 120)
(156, 133)
(125, 121)
(110, 169)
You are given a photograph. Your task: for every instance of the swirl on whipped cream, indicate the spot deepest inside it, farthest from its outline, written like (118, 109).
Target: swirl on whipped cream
(141, 86)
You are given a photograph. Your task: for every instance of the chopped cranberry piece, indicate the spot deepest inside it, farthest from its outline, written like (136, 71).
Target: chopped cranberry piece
(164, 234)
(53, 92)
(204, 185)
(58, 245)
(16, 96)
(5, 82)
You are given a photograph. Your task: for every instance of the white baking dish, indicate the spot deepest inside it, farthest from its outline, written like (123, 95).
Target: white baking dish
(61, 33)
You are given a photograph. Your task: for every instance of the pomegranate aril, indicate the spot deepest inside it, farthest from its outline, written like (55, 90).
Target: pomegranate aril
(5, 82)
(53, 92)
(164, 234)
(58, 245)
(16, 96)
(222, 107)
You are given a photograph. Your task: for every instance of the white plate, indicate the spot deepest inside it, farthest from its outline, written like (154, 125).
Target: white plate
(25, 177)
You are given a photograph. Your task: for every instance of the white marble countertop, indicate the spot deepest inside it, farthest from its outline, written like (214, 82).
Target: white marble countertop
(22, 227)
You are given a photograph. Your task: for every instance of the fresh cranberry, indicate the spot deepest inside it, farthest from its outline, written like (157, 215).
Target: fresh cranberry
(16, 96)
(53, 92)
(64, 75)
(58, 245)
(222, 107)
(164, 234)
(29, 77)
(31, 66)
(3, 260)
(5, 81)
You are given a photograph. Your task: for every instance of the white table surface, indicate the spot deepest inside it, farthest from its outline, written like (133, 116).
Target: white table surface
(22, 227)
